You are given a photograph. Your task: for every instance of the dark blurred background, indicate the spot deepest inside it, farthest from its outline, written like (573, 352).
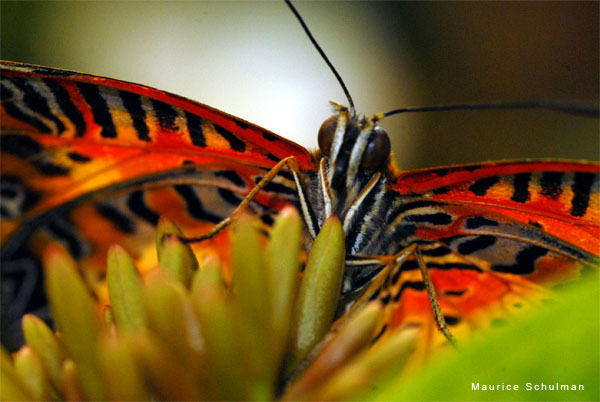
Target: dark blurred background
(251, 59)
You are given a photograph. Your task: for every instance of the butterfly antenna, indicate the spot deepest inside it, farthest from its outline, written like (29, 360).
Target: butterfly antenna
(323, 55)
(571, 108)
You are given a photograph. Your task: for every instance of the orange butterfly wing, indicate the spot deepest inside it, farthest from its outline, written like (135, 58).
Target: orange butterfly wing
(561, 198)
(78, 133)
(514, 226)
(67, 135)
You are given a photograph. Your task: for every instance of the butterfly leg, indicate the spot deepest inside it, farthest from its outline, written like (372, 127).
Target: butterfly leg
(392, 263)
(289, 161)
(389, 264)
(433, 299)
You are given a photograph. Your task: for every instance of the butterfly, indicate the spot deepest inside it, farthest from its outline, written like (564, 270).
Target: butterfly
(90, 161)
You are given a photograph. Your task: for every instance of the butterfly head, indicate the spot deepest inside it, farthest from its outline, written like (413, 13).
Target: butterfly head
(354, 150)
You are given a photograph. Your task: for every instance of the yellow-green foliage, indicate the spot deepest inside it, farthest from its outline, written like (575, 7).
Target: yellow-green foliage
(183, 334)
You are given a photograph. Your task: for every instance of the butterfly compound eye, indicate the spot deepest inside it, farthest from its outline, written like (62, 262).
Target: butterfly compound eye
(378, 151)
(326, 133)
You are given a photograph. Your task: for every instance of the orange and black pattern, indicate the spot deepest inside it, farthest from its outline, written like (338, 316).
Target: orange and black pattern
(90, 161)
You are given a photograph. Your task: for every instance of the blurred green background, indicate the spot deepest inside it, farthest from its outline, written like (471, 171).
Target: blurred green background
(251, 59)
